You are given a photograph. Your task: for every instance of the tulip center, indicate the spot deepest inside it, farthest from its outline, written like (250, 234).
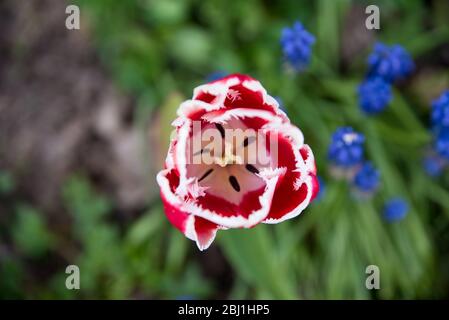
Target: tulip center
(229, 157)
(231, 172)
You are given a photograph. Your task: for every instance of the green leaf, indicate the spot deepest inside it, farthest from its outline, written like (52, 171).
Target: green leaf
(144, 228)
(191, 46)
(30, 233)
(253, 255)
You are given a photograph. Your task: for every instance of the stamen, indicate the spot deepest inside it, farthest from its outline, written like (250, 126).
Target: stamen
(208, 172)
(234, 183)
(221, 129)
(251, 168)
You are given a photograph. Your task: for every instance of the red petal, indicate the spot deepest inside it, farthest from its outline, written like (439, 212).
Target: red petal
(246, 98)
(206, 97)
(195, 228)
(241, 77)
(205, 232)
(249, 203)
(315, 187)
(305, 152)
(254, 122)
(286, 199)
(177, 217)
(173, 179)
(248, 94)
(196, 114)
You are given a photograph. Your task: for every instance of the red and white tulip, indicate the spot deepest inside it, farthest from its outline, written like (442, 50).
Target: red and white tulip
(235, 161)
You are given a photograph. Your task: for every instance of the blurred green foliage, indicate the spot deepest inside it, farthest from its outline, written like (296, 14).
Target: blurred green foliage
(158, 51)
(29, 232)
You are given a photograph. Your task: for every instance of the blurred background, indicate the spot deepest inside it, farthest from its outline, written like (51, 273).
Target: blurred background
(84, 126)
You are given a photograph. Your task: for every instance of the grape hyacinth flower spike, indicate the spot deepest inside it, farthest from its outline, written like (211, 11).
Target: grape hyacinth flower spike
(395, 209)
(374, 95)
(440, 125)
(346, 148)
(296, 43)
(391, 63)
(367, 179)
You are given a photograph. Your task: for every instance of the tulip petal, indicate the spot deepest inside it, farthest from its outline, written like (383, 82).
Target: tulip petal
(232, 92)
(195, 228)
(299, 185)
(205, 232)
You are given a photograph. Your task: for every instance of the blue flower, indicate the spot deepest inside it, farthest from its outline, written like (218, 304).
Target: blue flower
(346, 148)
(442, 143)
(395, 209)
(440, 111)
(433, 165)
(217, 75)
(297, 45)
(367, 179)
(374, 95)
(390, 62)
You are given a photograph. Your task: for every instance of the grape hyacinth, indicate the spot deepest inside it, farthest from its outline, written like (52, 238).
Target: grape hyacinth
(367, 179)
(395, 209)
(440, 112)
(440, 124)
(374, 95)
(390, 62)
(346, 152)
(297, 45)
(434, 164)
(346, 148)
(386, 64)
(442, 143)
